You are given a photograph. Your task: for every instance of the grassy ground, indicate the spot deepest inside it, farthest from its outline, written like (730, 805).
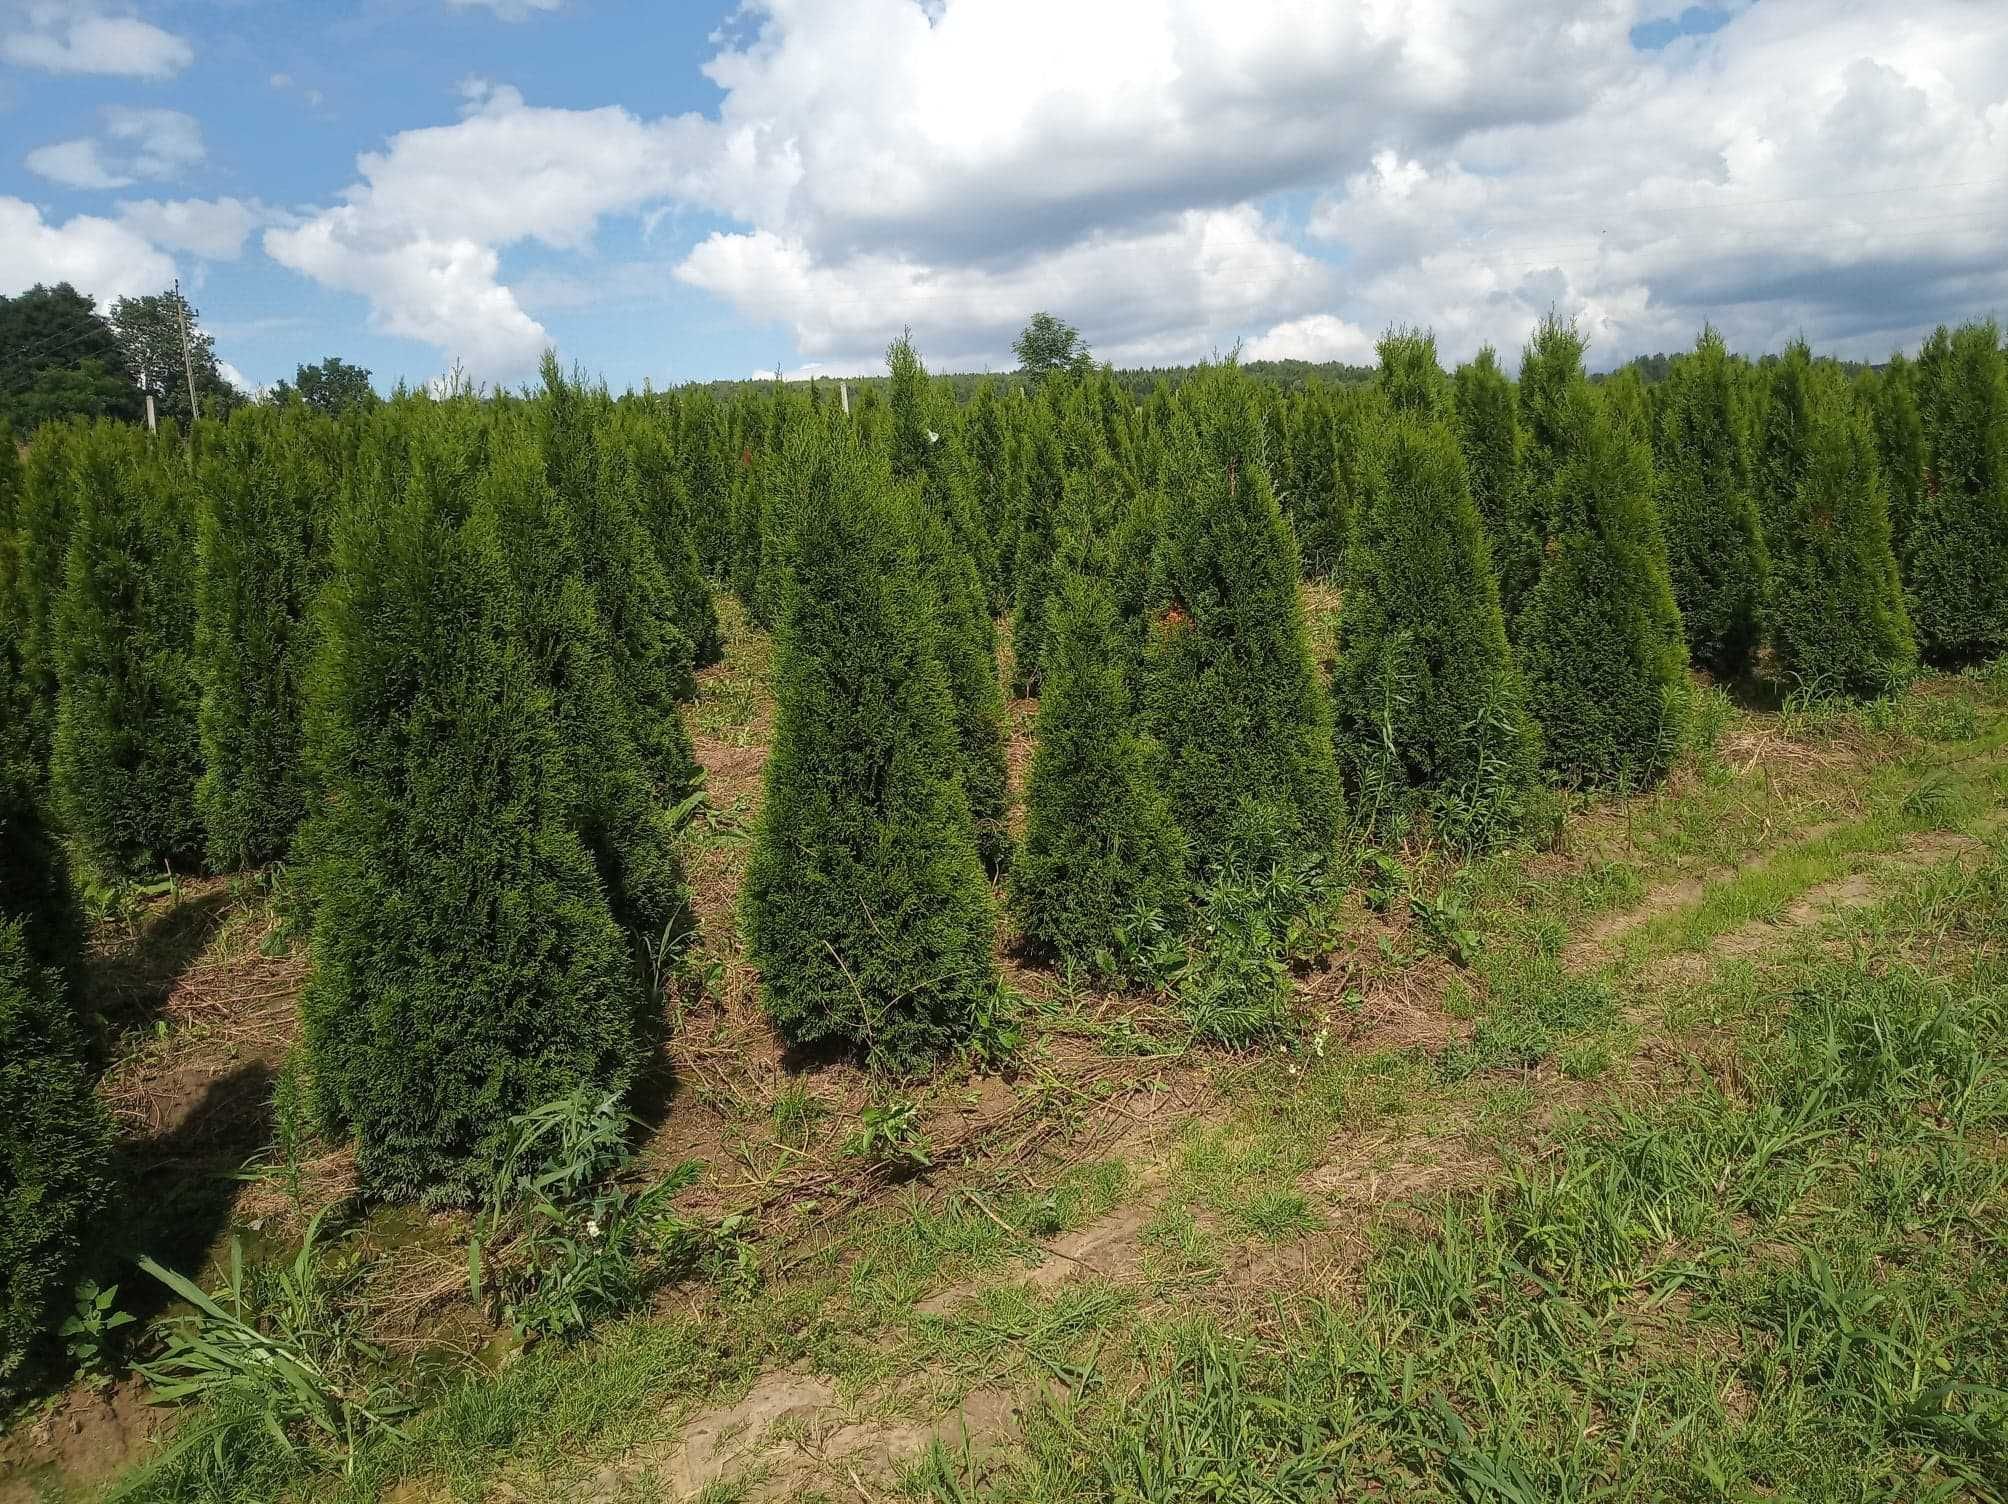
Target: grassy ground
(1664, 1163)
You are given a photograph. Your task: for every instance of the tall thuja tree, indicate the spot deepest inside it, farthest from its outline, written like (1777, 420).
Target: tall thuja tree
(55, 1141)
(710, 464)
(1310, 491)
(1551, 392)
(1630, 402)
(1230, 690)
(264, 502)
(1600, 640)
(466, 965)
(1715, 547)
(1488, 433)
(988, 453)
(620, 815)
(1780, 433)
(34, 544)
(1428, 703)
(925, 447)
(667, 513)
(1104, 861)
(1956, 547)
(1037, 537)
(1837, 618)
(865, 906)
(1890, 398)
(127, 751)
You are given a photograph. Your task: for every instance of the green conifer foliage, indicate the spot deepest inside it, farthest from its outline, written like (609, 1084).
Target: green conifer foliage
(1956, 560)
(1890, 395)
(620, 815)
(1312, 495)
(865, 906)
(1488, 432)
(1715, 547)
(1409, 378)
(1037, 532)
(127, 749)
(55, 1148)
(1600, 639)
(1551, 392)
(466, 966)
(651, 656)
(1837, 618)
(1781, 432)
(34, 541)
(1631, 404)
(1231, 692)
(667, 514)
(1428, 702)
(263, 502)
(966, 641)
(710, 462)
(1103, 856)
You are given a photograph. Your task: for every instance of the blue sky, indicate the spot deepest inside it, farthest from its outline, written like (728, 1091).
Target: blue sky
(674, 191)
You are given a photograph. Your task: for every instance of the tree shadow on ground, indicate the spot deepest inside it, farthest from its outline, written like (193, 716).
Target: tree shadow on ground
(126, 984)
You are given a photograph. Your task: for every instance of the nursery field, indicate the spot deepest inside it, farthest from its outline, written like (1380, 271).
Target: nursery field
(1667, 1162)
(1436, 937)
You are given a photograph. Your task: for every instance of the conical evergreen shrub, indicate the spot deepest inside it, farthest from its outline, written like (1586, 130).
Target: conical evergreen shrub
(1956, 559)
(966, 642)
(1231, 693)
(466, 966)
(1311, 493)
(1408, 376)
(710, 462)
(1714, 545)
(127, 750)
(666, 513)
(865, 906)
(1428, 704)
(1550, 394)
(1781, 431)
(1890, 397)
(1488, 433)
(264, 502)
(34, 543)
(1103, 862)
(620, 816)
(55, 1150)
(1837, 618)
(1036, 529)
(1600, 639)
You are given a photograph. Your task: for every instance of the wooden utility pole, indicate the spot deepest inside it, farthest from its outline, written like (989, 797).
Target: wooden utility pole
(187, 359)
(147, 387)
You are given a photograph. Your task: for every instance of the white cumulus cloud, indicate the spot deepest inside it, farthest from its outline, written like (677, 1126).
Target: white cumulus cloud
(97, 256)
(62, 36)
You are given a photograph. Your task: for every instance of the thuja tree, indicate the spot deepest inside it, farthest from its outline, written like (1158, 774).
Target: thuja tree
(651, 657)
(663, 500)
(1600, 639)
(1036, 530)
(1409, 378)
(55, 1149)
(1309, 489)
(1837, 618)
(1488, 433)
(1890, 398)
(1780, 432)
(1103, 863)
(263, 503)
(709, 460)
(127, 749)
(1429, 708)
(966, 642)
(620, 814)
(466, 966)
(1956, 548)
(1715, 547)
(865, 906)
(1551, 392)
(1230, 689)
(55, 1143)
(34, 542)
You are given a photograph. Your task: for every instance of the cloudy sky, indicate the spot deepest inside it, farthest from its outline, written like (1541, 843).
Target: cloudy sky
(675, 190)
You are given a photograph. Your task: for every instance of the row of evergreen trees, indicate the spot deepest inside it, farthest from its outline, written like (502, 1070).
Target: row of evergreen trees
(433, 654)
